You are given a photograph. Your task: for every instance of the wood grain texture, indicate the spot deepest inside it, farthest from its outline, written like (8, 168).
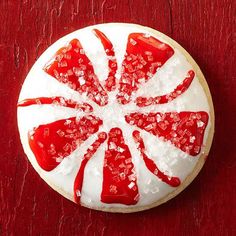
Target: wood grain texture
(206, 28)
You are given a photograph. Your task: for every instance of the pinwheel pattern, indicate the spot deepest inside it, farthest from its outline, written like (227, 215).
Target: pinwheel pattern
(53, 142)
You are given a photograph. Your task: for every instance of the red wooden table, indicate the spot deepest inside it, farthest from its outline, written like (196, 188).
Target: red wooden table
(206, 29)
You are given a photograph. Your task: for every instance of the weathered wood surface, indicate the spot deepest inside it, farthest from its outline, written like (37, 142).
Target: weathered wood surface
(206, 28)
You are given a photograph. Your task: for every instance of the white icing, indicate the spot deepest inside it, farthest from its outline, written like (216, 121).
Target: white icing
(168, 158)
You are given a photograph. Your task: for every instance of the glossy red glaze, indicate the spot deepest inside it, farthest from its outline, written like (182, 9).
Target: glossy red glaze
(180, 89)
(110, 82)
(184, 129)
(152, 167)
(78, 184)
(119, 178)
(72, 67)
(58, 101)
(144, 55)
(53, 142)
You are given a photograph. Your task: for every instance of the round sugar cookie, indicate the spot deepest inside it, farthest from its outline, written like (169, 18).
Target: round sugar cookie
(116, 117)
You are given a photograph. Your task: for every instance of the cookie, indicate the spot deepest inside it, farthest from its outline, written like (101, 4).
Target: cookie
(116, 117)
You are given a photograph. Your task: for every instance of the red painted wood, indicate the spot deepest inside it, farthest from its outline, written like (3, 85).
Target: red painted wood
(205, 28)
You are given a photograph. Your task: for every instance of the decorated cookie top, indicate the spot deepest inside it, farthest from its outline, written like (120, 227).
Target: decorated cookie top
(115, 117)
